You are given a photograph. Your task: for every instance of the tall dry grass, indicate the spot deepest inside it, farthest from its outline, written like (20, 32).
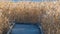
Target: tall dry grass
(47, 13)
(4, 22)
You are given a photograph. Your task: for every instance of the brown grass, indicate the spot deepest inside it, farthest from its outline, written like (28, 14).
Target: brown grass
(47, 13)
(4, 22)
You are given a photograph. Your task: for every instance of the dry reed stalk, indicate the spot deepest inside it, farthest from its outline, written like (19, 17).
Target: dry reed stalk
(47, 13)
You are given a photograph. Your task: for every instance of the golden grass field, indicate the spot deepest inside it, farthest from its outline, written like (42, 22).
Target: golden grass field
(47, 13)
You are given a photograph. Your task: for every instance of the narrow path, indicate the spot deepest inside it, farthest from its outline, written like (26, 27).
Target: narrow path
(26, 29)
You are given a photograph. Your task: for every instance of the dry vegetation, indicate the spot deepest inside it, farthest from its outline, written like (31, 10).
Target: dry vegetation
(48, 14)
(4, 22)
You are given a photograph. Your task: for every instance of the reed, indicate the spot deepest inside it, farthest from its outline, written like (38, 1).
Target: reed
(47, 13)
